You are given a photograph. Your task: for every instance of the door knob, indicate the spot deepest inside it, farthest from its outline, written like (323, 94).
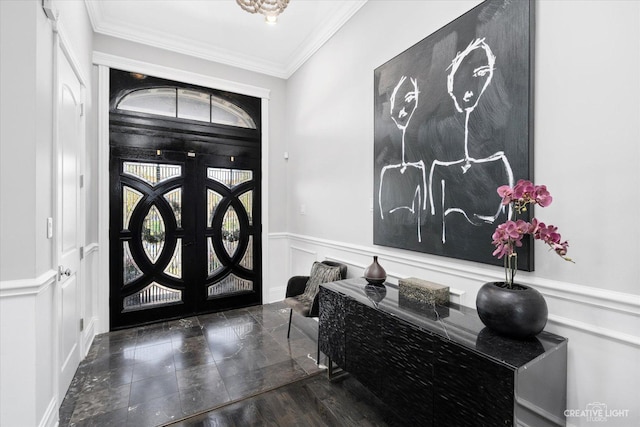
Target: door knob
(63, 272)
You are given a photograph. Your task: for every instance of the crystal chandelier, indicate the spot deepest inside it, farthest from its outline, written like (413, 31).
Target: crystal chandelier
(269, 8)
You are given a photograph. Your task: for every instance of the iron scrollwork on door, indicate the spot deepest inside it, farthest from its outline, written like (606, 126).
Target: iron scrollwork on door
(152, 235)
(229, 232)
(185, 234)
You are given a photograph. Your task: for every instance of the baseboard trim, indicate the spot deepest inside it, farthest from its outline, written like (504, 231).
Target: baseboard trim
(276, 294)
(88, 335)
(50, 417)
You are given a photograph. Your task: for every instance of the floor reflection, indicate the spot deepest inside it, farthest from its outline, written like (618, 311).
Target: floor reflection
(157, 374)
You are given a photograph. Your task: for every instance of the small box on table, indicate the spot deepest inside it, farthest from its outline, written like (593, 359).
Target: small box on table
(423, 291)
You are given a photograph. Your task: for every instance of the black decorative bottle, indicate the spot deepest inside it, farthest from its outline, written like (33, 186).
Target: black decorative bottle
(375, 274)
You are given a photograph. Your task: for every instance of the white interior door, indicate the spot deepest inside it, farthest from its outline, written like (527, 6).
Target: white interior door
(70, 131)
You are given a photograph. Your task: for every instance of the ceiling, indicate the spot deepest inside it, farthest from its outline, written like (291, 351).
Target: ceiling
(220, 31)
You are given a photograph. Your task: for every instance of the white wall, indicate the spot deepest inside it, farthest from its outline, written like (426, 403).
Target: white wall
(18, 133)
(587, 152)
(28, 289)
(25, 189)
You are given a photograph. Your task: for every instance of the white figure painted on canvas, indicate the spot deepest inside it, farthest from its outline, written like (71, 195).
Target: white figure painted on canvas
(402, 186)
(470, 75)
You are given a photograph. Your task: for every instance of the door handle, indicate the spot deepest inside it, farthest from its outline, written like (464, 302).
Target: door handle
(63, 272)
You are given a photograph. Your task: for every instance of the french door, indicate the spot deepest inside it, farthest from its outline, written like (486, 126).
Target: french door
(185, 234)
(184, 199)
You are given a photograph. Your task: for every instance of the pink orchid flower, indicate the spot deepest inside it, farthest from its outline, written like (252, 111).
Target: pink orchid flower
(508, 236)
(542, 196)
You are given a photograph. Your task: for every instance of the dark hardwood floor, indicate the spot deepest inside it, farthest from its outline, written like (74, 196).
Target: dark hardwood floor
(234, 368)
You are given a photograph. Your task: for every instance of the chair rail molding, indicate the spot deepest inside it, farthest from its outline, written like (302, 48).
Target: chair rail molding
(22, 287)
(598, 312)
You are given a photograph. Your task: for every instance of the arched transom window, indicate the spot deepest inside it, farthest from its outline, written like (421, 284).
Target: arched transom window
(186, 104)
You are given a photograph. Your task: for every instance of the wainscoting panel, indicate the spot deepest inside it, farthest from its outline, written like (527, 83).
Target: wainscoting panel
(301, 259)
(27, 323)
(276, 274)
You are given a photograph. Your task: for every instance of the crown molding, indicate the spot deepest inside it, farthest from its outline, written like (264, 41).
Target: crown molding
(185, 46)
(315, 41)
(181, 45)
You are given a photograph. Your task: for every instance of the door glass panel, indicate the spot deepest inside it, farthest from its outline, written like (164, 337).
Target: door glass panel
(130, 199)
(247, 201)
(213, 199)
(229, 177)
(214, 262)
(244, 329)
(131, 269)
(194, 105)
(247, 259)
(153, 234)
(160, 101)
(152, 173)
(231, 284)
(230, 231)
(191, 104)
(153, 295)
(174, 198)
(174, 268)
(226, 113)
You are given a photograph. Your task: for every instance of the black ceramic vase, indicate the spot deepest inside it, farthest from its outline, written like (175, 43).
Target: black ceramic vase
(375, 274)
(518, 312)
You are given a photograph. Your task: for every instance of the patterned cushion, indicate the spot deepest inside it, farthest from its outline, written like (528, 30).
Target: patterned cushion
(320, 273)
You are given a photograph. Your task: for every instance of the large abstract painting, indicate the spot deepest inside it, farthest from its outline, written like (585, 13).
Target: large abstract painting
(453, 122)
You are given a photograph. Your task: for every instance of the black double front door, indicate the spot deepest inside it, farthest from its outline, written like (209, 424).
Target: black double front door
(184, 231)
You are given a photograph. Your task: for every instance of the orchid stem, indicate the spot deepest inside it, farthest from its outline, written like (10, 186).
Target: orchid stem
(511, 267)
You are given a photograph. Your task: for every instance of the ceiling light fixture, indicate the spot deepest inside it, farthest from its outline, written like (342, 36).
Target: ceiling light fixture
(269, 8)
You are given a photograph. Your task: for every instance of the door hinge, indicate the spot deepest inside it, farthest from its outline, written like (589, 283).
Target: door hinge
(82, 109)
(81, 325)
(49, 10)
(81, 252)
(81, 181)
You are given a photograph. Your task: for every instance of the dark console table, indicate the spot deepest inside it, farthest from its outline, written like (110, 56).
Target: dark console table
(438, 365)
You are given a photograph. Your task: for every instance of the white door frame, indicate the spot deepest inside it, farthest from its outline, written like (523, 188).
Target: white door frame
(105, 62)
